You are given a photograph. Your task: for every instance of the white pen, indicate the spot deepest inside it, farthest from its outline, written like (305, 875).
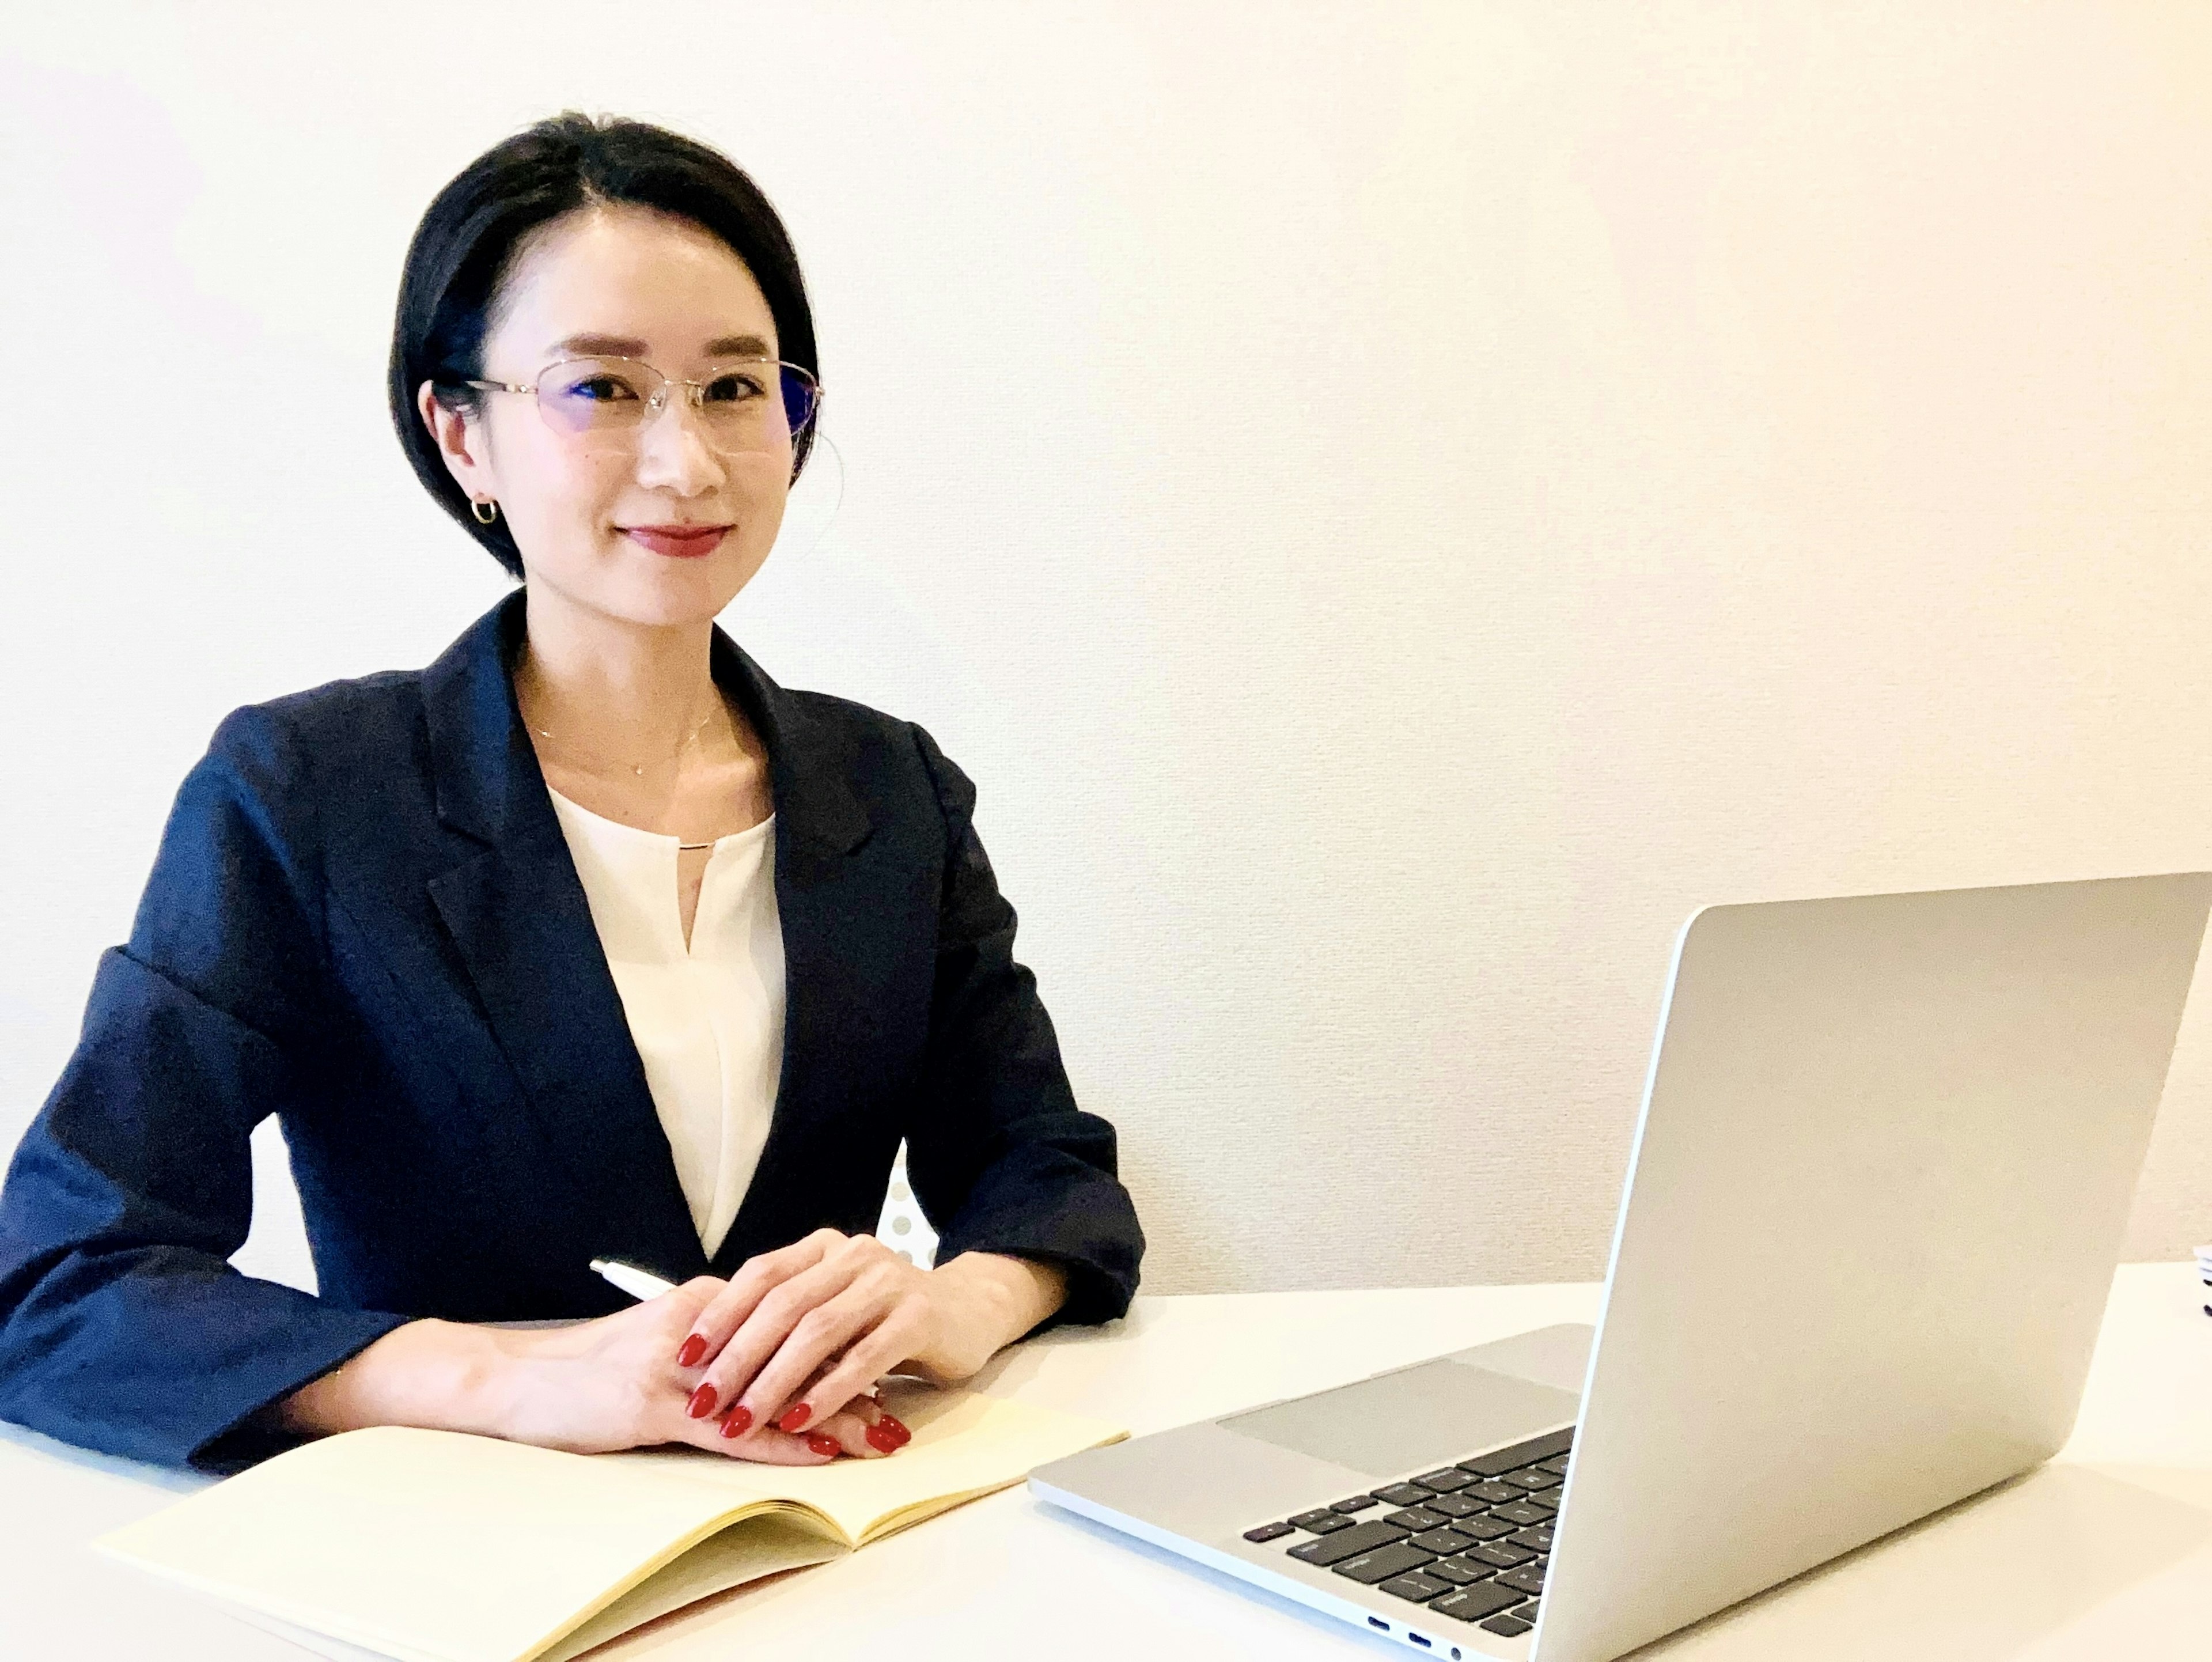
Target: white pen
(638, 1283)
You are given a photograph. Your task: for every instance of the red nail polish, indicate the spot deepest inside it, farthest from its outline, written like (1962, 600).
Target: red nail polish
(896, 1430)
(702, 1403)
(694, 1349)
(884, 1438)
(822, 1443)
(795, 1417)
(740, 1420)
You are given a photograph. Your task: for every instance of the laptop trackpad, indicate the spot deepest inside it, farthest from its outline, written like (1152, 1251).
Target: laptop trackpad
(1424, 1416)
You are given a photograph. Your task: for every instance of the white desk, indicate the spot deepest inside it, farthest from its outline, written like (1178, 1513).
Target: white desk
(2107, 1552)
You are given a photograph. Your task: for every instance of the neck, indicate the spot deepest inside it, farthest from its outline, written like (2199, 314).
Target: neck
(617, 688)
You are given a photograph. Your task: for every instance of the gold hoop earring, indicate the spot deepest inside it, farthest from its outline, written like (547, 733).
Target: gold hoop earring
(485, 511)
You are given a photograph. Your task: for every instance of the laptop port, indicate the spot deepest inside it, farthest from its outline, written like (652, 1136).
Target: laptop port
(1417, 1639)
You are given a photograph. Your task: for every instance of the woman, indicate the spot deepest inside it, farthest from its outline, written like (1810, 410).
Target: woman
(588, 940)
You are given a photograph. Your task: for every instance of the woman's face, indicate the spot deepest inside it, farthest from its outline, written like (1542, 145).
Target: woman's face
(623, 281)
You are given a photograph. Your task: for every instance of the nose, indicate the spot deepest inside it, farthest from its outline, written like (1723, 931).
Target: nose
(673, 453)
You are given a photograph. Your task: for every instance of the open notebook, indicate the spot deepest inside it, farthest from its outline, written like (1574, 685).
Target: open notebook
(434, 1546)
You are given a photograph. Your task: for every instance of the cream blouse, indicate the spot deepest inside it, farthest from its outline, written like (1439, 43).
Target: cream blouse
(707, 1019)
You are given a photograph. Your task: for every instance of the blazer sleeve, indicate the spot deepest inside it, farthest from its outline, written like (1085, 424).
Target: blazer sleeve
(122, 1326)
(999, 1156)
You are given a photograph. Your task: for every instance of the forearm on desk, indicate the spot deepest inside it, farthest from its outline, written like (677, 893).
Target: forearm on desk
(989, 1300)
(447, 1376)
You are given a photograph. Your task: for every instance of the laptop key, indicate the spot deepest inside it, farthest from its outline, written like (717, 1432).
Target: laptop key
(1354, 1503)
(1507, 1627)
(1458, 1571)
(1520, 1512)
(1453, 1505)
(1347, 1543)
(1535, 1477)
(1529, 1578)
(1472, 1603)
(1268, 1532)
(1483, 1529)
(1498, 1556)
(1557, 1463)
(1444, 1541)
(1384, 1562)
(1494, 1494)
(1415, 1586)
(1415, 1518)
(1402, 1495)
(1321, 1522)
(1501, 1461)
(1538, 1539)
(1542, 1502)
(1444, 1482)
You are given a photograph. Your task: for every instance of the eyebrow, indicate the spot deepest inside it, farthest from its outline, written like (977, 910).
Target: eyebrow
(625, 346)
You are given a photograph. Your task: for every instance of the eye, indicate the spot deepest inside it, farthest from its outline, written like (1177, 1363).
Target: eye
(735, 386)
(599, 389)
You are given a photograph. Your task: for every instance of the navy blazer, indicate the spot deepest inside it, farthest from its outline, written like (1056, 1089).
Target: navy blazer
(365, 920)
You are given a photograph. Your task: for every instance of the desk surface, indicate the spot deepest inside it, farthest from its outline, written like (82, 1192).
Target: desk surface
(2106, 1551)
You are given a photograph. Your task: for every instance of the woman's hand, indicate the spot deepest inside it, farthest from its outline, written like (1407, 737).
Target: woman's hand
(798, 1334)
(614, 1383)
(611, 1383)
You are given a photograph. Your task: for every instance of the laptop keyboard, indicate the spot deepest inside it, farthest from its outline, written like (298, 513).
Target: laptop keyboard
(1469, 1541)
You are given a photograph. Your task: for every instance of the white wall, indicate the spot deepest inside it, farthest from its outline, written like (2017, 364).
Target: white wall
(1394, 504)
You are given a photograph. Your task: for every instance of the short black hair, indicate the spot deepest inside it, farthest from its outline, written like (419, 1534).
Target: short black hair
(468, 236)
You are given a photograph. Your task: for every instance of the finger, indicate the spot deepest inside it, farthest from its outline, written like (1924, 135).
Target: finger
(845, 1374)
(813, 1344)
(765, 1445)
(735, 1299)
(788, 1312)
(855, 1436)
(769, 1311)
(867, 1406)
(709, 1400)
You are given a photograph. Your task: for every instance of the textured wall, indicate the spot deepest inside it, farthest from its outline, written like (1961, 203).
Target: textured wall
(1394, 508)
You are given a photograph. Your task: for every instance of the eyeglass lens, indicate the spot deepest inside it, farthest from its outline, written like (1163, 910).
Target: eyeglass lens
(754, 404)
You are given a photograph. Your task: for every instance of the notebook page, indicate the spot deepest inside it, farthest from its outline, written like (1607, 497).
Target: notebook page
(746, 1552)
(457, 1549)
(757, 1548)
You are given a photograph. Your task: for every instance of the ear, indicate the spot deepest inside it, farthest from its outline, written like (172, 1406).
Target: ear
(461, 441)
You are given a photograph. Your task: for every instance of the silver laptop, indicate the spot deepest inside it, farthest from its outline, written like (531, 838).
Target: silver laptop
(1887, 1152)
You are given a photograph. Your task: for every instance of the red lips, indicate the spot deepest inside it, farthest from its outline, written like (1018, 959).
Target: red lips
(678, 542)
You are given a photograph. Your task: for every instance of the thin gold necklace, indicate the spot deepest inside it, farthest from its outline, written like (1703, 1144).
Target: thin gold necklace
(600, 765)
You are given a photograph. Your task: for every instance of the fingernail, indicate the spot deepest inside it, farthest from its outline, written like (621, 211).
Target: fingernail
(897, 1429)
(883, 1440)
(795, 1417)
(694, 1349)
(702, 1403)
(822, 1443)
(739, 1422)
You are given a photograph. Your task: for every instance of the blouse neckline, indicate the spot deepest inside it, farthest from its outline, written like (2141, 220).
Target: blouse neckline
(657, 838)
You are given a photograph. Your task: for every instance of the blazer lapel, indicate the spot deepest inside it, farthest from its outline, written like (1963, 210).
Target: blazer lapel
(819, 822)
(517, 916)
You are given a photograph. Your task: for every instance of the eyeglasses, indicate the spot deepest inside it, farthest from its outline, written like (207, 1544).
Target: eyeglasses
(752, 404)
